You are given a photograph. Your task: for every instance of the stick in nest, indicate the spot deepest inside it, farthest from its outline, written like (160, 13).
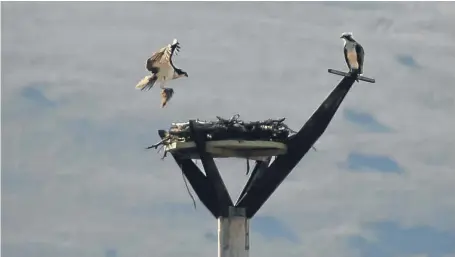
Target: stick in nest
(161, 143)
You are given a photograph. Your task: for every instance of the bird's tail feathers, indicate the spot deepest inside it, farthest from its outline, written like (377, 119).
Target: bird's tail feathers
(355, 73)
(147, 82)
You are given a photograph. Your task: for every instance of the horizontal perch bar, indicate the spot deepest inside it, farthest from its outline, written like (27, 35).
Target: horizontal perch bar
(346, 74)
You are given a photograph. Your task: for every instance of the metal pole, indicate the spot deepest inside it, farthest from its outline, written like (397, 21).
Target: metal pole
(233, 222)
(233, 234)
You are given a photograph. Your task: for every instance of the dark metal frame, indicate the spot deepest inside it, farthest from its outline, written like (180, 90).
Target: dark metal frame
(264, 178)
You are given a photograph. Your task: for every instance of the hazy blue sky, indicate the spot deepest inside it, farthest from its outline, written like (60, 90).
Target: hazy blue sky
(77, 182)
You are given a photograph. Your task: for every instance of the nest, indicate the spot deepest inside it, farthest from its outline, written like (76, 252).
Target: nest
(228, 129)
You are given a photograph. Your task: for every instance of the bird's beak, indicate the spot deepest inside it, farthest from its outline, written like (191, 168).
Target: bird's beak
(186, 75)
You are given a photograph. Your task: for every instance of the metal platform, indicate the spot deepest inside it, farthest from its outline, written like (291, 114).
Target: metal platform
(266, 176)
(254, 150)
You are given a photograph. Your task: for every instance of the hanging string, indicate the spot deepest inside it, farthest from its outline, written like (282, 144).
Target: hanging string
(188, 189)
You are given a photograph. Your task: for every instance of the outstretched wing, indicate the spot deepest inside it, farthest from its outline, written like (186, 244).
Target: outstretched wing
(360, 56)
(163, 57)
(174, 48)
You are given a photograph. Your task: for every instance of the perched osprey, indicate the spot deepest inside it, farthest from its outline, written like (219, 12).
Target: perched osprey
(163, 70)
(354, 54)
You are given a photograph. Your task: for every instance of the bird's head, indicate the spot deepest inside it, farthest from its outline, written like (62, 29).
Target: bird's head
(181, 73)
(347, 36)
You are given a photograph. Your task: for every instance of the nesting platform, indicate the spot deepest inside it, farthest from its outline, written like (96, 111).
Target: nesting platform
(226, 138)
(247, 149)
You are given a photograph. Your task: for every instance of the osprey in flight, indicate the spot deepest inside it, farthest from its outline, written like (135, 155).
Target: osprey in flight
(354, 54)
(162, 69)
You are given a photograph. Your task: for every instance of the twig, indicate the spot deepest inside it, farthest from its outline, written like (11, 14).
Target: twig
(157, 144)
